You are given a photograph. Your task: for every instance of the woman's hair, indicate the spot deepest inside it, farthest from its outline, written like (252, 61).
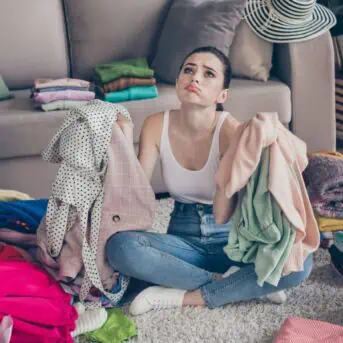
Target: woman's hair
(223, 58)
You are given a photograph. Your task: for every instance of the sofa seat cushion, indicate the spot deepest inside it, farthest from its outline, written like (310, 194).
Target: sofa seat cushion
(25, 131)
(102, 31)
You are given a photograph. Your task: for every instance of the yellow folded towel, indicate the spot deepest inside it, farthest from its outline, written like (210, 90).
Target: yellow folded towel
(329, 224)
(11, 195)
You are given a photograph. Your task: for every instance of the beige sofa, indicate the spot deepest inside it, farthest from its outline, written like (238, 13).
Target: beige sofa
(58, 38)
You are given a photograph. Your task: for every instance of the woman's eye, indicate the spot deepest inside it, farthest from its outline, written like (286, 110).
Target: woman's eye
(187, 70)
(209, 74)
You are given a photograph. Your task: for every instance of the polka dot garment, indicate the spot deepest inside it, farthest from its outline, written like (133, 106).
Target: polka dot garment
(80, 147)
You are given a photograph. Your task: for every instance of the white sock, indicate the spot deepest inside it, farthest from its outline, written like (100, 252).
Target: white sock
(89, 320)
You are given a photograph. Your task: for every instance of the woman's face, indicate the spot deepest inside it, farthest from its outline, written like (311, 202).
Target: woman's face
(201, 80)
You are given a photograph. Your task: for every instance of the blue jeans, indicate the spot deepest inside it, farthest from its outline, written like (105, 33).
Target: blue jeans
(188, 255)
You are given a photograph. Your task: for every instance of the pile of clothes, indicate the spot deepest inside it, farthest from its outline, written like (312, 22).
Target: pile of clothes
(273, 226)
(324, 181)
(34, 306)
(125, 80)
(61, 94)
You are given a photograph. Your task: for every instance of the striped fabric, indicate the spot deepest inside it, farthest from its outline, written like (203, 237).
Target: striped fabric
(339, 107)
(282, 21)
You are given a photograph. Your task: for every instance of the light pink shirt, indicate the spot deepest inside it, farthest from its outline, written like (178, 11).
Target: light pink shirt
(288, 188)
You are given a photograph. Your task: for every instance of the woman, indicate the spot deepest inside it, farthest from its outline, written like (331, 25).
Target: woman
(189, 261)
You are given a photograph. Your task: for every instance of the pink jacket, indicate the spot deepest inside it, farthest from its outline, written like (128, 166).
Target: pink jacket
(128, 204)
(288, 188)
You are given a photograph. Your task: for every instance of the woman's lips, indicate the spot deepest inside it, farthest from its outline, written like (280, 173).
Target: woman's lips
(193, 89)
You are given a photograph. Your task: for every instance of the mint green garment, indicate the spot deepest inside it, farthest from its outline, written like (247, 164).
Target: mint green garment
(117, 328)
(261, 233)
(137, 67)
(132, 93)
(62, 105)
(4, 92)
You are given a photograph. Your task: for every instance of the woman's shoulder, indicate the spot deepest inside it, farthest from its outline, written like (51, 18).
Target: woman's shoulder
(229, 126)
(228, 129)
(153, 120)
(152, 129)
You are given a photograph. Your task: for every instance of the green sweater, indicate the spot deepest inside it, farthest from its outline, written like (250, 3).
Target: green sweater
(261, 233)
(137, 67)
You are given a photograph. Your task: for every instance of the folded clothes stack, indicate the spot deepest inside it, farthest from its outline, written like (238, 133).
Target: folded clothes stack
(61, 94)
(125, 80)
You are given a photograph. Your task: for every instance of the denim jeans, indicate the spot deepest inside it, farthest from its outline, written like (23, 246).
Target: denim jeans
(188, 255)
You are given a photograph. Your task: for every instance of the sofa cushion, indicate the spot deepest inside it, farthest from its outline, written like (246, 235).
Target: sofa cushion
(32, 41)
(250, 55)
(26, 132)
(191, 24)
(106, 30)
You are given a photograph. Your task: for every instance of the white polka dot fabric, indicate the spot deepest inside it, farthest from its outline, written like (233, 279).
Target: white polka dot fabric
(99, 189)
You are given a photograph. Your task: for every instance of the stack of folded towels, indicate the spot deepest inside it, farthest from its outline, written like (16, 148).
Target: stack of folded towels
(324, 180)
(61, 94)
(125, 80)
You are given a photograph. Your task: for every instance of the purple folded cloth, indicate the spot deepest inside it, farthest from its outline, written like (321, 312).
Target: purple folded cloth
(330, 209)
(47, 97)
(324, 178)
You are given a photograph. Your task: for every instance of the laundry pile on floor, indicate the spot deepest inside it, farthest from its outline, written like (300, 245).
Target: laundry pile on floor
(34, 307)
(324, 181)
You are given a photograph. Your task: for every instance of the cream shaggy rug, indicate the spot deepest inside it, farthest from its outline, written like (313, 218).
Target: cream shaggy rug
(320, 298)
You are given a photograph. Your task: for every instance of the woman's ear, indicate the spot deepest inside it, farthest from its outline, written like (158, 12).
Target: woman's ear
(223, 95)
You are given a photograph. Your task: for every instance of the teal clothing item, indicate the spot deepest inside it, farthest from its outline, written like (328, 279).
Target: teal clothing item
(132, 93)
(117, 328)
(261, 233)
(137, 67)
(4, 92)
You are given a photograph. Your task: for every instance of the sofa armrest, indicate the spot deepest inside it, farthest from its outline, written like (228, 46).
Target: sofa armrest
(308, 69)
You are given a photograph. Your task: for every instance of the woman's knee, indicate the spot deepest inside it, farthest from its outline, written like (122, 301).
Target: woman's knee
(122, 249)
(299, 277)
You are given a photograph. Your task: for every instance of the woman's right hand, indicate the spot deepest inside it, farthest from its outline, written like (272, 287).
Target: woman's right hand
(126, 126)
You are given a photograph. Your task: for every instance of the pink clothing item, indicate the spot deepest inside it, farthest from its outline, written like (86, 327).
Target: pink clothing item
(300, 330)
(27, 240)
(46, 97)
(40, 309)
(43, 83)
(287, 186)
(129, 204)
(12, 253)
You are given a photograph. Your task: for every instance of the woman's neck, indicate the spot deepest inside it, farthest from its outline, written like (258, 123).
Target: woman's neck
(197, 121)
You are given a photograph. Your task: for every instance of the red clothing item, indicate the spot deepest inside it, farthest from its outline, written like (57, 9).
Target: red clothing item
(40, 308)
(300, 330)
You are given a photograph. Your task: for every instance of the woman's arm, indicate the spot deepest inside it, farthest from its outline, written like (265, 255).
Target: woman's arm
(223, 208)
(149, 142)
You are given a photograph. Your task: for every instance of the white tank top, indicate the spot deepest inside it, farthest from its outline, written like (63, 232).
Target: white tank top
(184, 185)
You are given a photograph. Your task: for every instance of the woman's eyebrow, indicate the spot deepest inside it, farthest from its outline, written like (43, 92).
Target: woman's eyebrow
(210, 68)
(190, 63)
